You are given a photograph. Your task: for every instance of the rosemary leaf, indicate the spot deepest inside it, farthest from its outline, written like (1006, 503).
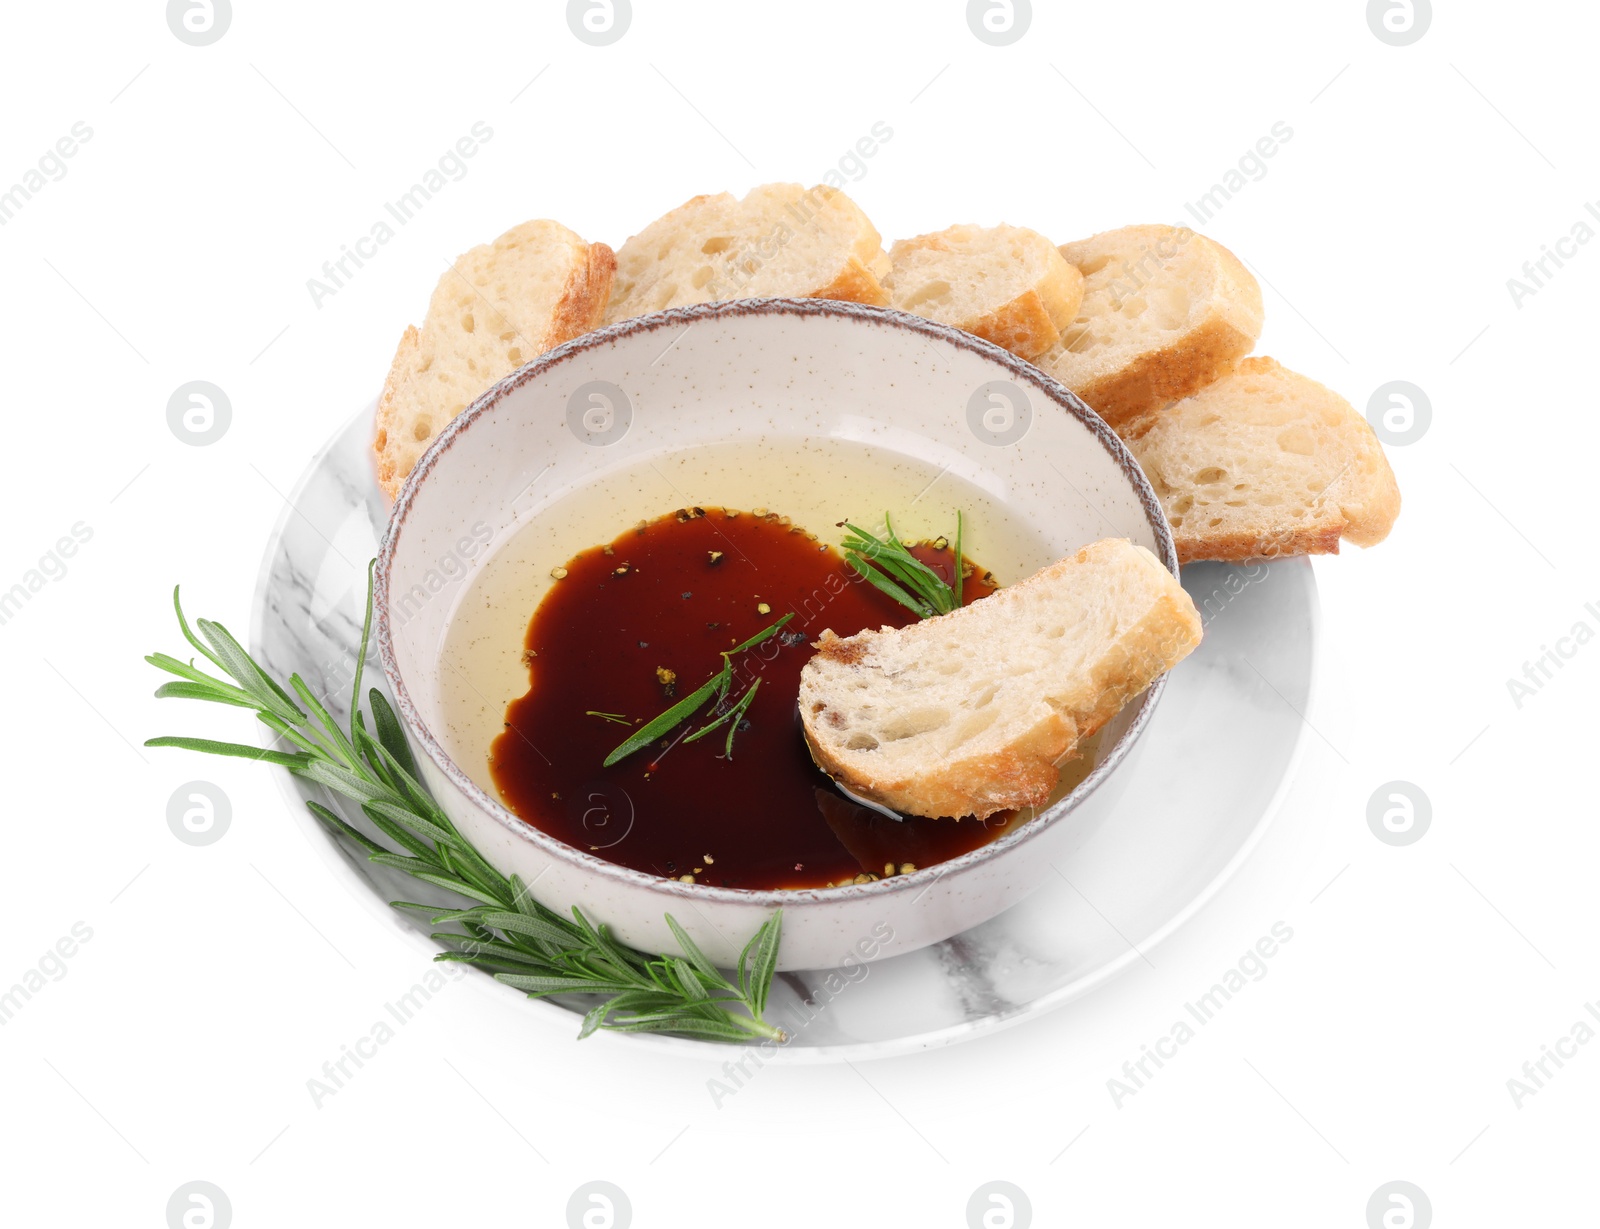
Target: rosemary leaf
(538, 985)
(403, 815)
(692, 952)
(593, 1020)
(453, 884)
(400, 836)
(522, 923)
(885, 585)
(737, 716)
(391, 735)
(344, 829)
(183, 669)
(474, 949)
(679, 1023)
(715, 724)
(766, 964)
(694, 989)
(405, 781)
(340, 741)
(439, 919)
(361, 787)
(361, 661)
(957, 564)
(520, 897)
(284, 759)
(244, 671)
(678, 713)
(204, 691)
(599, 938)
(760, 637)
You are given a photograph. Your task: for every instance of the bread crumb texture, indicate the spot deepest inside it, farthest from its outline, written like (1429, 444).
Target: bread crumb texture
(781, 240)
(1265, 462)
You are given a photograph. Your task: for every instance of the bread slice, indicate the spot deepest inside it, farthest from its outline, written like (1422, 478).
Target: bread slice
(1265, 462)
(974, 712)
(1165, 312)
(496, 308)
(781, 240)
(1007, 284)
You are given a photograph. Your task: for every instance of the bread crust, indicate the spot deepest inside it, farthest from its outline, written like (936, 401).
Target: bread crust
(1170, 374)
(1200, 356)
(1032, 322)
(390, 476)
(1240, 548)
(583, 300)
(854, 284)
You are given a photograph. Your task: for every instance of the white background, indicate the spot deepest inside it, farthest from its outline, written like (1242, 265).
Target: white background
(177, 247)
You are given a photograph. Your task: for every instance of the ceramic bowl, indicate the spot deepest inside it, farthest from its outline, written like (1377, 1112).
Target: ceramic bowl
(813, 408)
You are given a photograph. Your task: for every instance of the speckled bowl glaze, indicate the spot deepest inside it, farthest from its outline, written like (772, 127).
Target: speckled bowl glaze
(716, 401)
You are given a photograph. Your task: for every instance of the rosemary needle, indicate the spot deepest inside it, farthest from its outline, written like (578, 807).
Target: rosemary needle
(734, 715)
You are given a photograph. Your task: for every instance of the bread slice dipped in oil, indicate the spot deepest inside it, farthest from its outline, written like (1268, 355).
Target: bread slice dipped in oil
(974, 712)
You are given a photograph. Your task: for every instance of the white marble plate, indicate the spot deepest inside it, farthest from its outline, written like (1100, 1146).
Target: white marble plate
(1214, 762)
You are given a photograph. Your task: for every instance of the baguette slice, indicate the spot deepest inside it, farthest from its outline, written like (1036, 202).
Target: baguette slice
(973, 712)
(1006, 284)
(498, 307)
(1165, 312)
(1265, 462)
(780, 240)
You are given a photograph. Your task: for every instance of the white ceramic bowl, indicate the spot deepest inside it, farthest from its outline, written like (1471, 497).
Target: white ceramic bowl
(812, 408)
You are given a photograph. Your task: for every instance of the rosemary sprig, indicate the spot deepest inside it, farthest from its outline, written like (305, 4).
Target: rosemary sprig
(889, 566)
(734, 715)
(503, 930)
(717, 685)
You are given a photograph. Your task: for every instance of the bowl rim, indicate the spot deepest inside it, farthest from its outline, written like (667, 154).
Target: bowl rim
(920, 880)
